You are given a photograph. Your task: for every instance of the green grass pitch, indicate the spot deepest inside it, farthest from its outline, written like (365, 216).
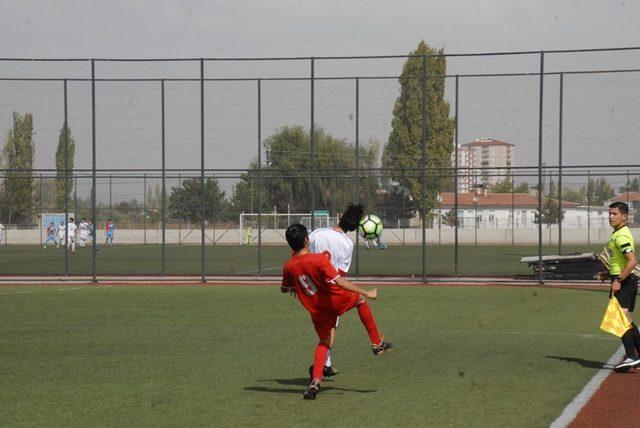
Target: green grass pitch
(238, 356)
(231, 259)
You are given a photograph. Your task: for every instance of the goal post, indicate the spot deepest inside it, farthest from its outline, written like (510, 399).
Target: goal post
(248, 222)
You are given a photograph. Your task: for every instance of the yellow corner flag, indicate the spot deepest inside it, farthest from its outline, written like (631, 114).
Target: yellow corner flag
(614, 320)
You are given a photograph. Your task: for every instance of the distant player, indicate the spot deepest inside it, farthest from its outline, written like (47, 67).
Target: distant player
(92, 231)
(61, 234)
(83, 227)
(51, 235)
(325, 294)
(108, 233)
(369, 243)
(71, 235)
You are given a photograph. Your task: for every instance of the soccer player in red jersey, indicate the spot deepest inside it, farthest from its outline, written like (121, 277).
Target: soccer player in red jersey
(325, 295)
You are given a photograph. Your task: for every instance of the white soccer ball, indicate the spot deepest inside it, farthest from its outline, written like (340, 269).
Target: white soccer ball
(370, 226)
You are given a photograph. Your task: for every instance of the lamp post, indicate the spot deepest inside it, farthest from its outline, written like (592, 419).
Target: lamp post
(439, 199)
(475, 219)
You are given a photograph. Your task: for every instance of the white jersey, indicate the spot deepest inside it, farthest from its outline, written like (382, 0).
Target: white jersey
(84, 229)
(72, 229)
(337, 243)
(61, 231)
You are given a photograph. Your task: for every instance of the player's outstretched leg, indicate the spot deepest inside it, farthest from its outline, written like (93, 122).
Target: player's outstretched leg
(369, 322)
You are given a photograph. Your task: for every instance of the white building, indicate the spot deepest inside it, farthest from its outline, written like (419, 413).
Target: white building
(492, 160)
(517, 210)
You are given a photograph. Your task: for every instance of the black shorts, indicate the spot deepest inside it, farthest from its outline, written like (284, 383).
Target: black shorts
(627, 294)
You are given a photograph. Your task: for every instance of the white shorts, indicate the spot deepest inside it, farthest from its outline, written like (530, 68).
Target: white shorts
(83, 235)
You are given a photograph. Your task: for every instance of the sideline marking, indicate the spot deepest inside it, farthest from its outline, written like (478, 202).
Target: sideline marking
(37, 291)
(571, 411)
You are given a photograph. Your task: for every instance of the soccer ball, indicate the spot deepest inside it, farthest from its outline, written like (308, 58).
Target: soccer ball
(370, 226)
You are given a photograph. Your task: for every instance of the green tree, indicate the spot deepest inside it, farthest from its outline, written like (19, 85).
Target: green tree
(597, 191)
(449, 218)
(403, 153)
(61, 173)
(18, 157)
(522, 188)
(504, 186)
(634, 185)
(285, 181)
(551, 213)
(573, 195)
(184, 201)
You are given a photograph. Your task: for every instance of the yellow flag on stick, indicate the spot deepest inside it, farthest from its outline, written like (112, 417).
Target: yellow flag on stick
(614, 320)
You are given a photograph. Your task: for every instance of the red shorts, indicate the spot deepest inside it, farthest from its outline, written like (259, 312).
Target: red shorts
(324, 321)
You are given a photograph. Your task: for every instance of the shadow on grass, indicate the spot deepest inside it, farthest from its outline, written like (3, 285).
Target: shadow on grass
(302, 383)
(590, 364)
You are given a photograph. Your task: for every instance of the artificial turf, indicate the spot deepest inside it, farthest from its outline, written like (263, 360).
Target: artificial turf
(238, 356)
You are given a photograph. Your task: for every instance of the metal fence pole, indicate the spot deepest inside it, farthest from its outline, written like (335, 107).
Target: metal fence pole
(312, 158)
(513, 210)
(110, 197)
(259, 186)
(66, 182)
(588, 207)
(202, 184)
(560, 108)
(94, 247)
(179, 219)
(40, 208)
(455, 184)
(357, 186)
(164, 185)
(423, 166)
(144, 207)
(540, 108)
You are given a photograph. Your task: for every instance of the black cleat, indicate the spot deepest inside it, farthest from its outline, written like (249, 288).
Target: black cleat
(379, 349)
(627, 364)
(327, 371)
(312, 390)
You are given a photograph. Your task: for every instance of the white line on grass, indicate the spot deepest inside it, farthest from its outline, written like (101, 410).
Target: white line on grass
(571, 411)
(37, 291)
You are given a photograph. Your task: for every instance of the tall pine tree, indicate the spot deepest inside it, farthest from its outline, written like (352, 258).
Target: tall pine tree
(403, 150)
(61, 174)
(19, 154)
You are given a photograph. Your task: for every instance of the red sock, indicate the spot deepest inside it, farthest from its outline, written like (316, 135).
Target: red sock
(366, 316)
(319, 359)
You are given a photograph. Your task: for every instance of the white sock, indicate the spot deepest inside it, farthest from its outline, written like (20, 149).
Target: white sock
(328, 361)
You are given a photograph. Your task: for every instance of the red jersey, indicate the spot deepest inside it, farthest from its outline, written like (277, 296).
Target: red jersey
(312, 276)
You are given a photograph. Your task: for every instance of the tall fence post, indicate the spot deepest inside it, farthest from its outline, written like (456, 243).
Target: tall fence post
(94, 247)
(202, 184)
(540, 109)
(455, 185)
(164, 184)
(357, 186)
(259, 186)
(560, 109)
(66, 182)
(144, 207)
(312, 141)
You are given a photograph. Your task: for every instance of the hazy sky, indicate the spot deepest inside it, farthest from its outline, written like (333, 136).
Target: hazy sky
(165, 28)
(600, 110)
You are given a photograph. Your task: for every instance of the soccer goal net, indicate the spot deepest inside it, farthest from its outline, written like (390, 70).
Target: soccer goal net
(279, 221)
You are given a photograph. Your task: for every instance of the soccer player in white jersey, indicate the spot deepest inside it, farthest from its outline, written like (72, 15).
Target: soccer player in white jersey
(61, 234)
(335, 241)
(84, 232)
(71, 235)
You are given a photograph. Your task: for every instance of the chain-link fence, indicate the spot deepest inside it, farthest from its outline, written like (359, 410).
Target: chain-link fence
(196, 166)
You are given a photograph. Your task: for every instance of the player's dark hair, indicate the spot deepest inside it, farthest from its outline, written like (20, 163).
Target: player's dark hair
(621, 206)
(351, 217)
(296, 234)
